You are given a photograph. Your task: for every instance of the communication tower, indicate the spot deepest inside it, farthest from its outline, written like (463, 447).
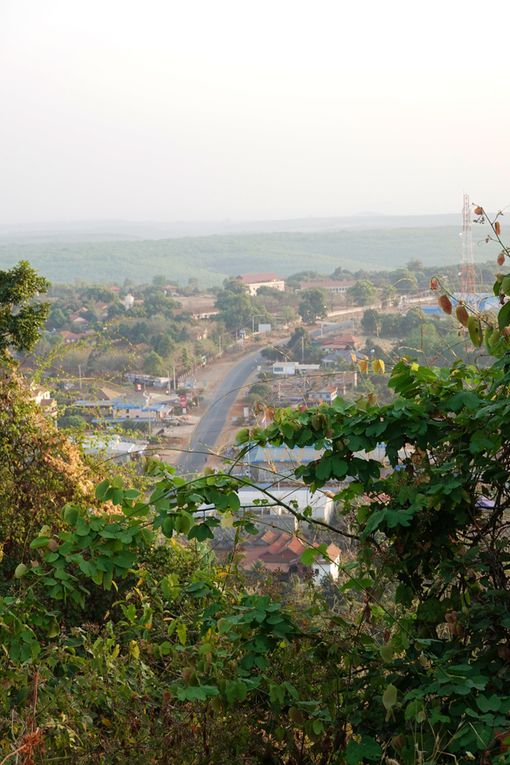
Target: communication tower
(467, 268)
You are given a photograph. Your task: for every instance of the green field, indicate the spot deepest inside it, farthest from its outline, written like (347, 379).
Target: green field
(211, 258)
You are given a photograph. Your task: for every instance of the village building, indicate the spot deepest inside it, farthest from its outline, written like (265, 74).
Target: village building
(43, 398)
(115, 448)
(253, 282)
(290, 368)
(331, 286)
(344, 342)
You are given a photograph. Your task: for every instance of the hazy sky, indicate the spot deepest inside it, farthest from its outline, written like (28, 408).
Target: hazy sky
(245, 109)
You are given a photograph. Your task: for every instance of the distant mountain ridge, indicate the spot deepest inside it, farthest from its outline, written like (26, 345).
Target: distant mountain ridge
(212, 258)
(118, 230)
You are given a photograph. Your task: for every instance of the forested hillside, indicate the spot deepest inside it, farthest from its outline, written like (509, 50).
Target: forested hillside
(211, 258)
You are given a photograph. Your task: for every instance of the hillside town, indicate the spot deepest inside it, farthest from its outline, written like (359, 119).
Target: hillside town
(169, 372)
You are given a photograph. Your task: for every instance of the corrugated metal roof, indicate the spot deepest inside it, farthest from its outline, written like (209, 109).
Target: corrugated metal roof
(269, 454)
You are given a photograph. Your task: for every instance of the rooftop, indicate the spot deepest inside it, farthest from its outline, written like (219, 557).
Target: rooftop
(260, 277)
(298, 455)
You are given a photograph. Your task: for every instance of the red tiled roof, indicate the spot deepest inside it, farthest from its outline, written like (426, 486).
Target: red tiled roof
(278, 544)
(296, 545)
(255, 278)
(333, 551)
(283, 556)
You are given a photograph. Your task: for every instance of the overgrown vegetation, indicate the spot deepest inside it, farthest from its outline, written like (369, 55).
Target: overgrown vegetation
(126, 640)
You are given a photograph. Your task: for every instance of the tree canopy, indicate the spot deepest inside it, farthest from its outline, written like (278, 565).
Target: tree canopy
(21, 318)
(312, 305)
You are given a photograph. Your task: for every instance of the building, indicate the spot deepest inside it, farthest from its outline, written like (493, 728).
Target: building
(150, 381)
(114, 448)
(321, 504)
(269, 463)
(324, 396)
(124, 410)
(253, 282)
(346, 342)
(289, 368)
(42, 397)
(331, 286)
(281, 553)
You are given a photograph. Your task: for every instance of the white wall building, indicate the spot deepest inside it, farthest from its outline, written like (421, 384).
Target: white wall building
(253, 282)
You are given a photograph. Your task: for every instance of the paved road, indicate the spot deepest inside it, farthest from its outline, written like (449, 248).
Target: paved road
(211, 424)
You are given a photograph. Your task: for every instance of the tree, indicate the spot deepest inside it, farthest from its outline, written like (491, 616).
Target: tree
(237, 307)
(301, 348)
(341, 273)
(21, 319)
(405, 280)
(163, 344)
(312, 305)
(370, 322)
(362, 292)
(153, 364)
(39, 470)
(294, 280)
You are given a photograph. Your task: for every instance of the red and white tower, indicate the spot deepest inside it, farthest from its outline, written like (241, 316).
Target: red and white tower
(467, 267)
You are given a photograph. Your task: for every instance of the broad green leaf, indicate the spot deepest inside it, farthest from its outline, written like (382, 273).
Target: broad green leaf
(504, 316)
(39, 542)
(389, 697)
(102, 488)
(201, 531)
(181, 633)
(367, 749)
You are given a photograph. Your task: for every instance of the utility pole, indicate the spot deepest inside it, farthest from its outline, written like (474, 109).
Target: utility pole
(79, 374)
(175, 381)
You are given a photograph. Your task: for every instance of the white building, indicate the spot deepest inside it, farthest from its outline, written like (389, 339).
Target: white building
(253, 282)
(299, 499)
(114, 448)
(289, 368)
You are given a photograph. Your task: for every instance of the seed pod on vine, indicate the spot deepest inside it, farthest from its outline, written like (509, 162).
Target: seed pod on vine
(475, 331)
(445, 303)
(478, 210)
(497, 228)
(434, 283)
(501, 258)
(462, 314)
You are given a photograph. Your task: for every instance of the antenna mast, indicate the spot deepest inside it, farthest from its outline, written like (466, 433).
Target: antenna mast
(467, 268)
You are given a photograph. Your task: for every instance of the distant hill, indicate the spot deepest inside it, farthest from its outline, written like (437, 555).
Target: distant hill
(212, 258)
(120, 230)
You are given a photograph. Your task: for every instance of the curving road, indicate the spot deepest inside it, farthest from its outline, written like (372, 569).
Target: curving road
(208, 430)
(212, 422)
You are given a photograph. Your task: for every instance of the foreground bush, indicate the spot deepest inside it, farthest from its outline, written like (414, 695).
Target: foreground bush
(123, 647)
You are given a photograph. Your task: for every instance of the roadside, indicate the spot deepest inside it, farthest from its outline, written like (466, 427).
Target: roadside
(214, 380)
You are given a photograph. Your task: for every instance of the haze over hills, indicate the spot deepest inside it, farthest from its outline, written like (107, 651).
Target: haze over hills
(128, 230)
(113, 251)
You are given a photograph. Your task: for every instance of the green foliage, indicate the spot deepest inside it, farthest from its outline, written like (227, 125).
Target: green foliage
(370, 322)
(312, 305)
(362, 293)
(39, 469)
(211, 259)
(21, 318)
(153, 364)
(237, 308)
(139, 643)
